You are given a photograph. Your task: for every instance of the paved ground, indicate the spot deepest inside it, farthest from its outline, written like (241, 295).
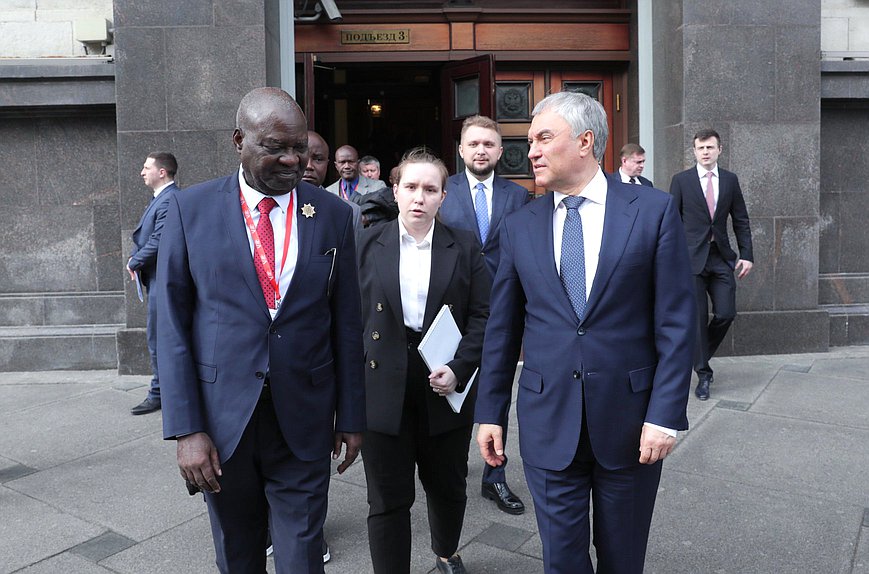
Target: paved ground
(773, 477)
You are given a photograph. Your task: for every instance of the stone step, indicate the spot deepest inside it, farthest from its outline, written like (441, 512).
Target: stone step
(81, 308)
(843, 289)
(59, 347)
(849, 324)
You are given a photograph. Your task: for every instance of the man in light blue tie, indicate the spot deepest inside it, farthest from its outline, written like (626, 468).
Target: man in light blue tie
(594, 279)
(478, 200)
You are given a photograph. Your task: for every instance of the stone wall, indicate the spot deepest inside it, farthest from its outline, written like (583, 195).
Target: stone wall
(844, 25)
(756, 80)
(40, 28)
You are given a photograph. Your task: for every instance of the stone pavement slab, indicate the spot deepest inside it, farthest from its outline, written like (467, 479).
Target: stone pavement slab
(65, 563)
(705, 524)
(31, 531)
(133, 489)
(778, 453)
(818, 398)
(186, 548)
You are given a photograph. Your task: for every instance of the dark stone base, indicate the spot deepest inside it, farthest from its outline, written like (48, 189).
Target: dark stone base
(778, 332)
(133, 358)
(849, 327)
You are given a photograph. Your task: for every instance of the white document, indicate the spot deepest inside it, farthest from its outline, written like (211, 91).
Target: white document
(438, 347)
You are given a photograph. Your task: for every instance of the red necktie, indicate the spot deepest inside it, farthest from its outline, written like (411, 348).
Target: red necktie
(267, 239)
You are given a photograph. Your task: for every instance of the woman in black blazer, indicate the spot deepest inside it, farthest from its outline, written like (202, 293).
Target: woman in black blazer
(409, 269)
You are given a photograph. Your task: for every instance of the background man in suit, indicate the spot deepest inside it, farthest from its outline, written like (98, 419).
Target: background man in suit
(158, 174)
(633, 160)
(351, 183)
(706, 197)
(318, 165)
(595, 278)
(259, 334)
(369, 166)
(478, 200)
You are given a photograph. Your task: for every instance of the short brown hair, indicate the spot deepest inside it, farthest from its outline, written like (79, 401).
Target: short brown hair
(630, 149)
(165, 160)
(705, 135)
(423, 155)
(480, 122)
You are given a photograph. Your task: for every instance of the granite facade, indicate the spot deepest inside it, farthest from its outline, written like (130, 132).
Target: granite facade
(751, 71)
(181, 71)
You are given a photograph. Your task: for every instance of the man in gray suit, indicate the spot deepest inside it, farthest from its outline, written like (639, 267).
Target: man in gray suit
(351, 183)
(158, 174)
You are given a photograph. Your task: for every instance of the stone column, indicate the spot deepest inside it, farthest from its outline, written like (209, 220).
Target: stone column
(182, 68)
(750, 70)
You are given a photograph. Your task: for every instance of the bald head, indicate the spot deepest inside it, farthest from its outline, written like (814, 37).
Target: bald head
(271, 136)
(347, 162)
(318, 159)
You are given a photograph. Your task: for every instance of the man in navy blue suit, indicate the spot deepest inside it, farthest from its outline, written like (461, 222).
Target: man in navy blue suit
(707, 196)
(478, 200)
(158, 173)
(260, 342)
(595, 278)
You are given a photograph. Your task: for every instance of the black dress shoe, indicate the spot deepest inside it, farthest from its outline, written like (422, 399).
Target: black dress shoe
(149, 405)
(702, 390)
(453, 565)
(503, 496)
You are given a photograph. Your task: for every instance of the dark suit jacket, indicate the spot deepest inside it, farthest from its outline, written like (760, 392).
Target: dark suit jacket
(617, 177)
(458, 279)
(629, 359)
(458, 212)
(146, 237)
(216, 339)
(688, 194)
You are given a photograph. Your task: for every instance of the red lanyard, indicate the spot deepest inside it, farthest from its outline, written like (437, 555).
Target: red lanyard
(260, 252)
(344, 187)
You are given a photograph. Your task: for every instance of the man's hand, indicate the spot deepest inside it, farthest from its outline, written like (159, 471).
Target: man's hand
(130, 271)
(743, 268)
(353, 440)
(491, 442)
(199, 461)
(443, 381)
(655, 445)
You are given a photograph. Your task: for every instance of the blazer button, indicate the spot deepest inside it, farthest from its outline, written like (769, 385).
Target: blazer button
(273, 331)
(260, 375)
(372, 364)
(577, 375)
(379, 307)
(375, 335)
(580, 331)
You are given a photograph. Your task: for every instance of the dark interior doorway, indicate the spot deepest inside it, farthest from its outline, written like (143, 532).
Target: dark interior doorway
(346, 112)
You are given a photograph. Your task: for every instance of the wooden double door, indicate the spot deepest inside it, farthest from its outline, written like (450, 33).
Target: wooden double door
(383, 109)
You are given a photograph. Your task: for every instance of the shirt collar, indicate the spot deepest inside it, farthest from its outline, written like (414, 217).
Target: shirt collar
(473, 181)
(702, 171)
(623, 177)
(404, 235)
(252, 197)
(595, 191)
(162, 187)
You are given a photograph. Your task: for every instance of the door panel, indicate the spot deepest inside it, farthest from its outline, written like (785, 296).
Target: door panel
(466, 89)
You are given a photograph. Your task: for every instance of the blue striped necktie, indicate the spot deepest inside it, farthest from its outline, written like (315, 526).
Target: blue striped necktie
(481, 208)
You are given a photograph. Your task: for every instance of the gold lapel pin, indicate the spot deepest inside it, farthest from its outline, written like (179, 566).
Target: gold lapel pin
(308, 210)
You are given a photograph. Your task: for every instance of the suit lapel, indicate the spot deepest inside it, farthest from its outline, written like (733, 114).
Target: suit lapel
(305, 228)
(499, 204)
(618, 221)
(540, 238)
(466, 205)
(386, 264)
(237, 232)
(443, 263)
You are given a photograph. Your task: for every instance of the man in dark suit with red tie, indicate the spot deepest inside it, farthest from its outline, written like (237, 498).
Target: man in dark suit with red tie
(158, 173)
(260, 342)
(706, 197)
(594, 283)
(477, 200)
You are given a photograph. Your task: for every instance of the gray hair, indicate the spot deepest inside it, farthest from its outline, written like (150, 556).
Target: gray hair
(581, 113)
